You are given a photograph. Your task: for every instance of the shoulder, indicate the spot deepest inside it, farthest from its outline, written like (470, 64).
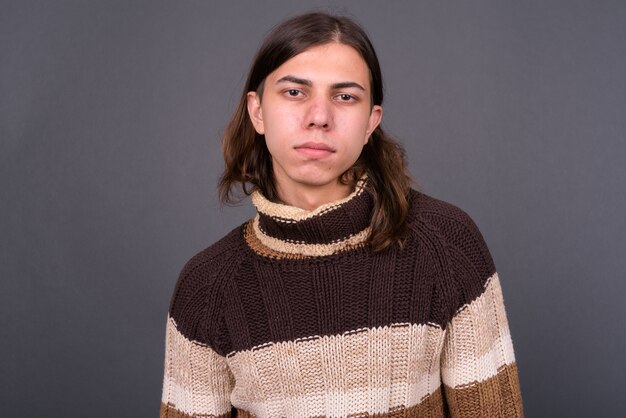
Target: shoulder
(197, 299)
(425, 208)
(463, 253)
(220, 253)
(451, 223)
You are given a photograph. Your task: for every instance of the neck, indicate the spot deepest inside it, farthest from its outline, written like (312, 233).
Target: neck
(310, 197)
(281, 230)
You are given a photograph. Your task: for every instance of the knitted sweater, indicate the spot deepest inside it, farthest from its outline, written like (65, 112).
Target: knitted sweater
(293, 315)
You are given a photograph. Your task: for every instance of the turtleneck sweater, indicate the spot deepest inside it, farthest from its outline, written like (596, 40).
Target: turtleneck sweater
(292, 314)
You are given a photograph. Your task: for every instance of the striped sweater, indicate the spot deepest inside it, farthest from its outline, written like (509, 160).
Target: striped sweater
(293, 315)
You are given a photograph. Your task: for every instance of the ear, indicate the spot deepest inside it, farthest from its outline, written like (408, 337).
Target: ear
(255, 112)
(376, 116)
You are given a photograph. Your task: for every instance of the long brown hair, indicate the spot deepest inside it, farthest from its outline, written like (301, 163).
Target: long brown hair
(248, 163)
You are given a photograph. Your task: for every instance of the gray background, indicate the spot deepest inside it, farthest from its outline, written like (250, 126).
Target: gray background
(110, 119)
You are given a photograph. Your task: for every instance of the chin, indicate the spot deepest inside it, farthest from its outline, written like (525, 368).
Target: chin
(317, 180)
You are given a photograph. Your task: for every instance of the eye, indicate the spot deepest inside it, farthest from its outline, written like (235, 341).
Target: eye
(344, 97)
(293, 92)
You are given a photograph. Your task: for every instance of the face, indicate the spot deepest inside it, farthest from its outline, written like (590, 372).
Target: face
(316, 116)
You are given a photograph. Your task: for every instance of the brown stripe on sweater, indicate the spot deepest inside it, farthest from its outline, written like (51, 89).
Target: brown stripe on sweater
(284, 251)
(219, 262)
(421, 288)
(169, 411)
(259, 248)
(310, 249)
(330, 295)
(498, 396)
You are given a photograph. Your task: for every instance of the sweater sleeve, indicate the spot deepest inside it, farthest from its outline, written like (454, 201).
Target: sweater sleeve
(478, 365)
(197, 379)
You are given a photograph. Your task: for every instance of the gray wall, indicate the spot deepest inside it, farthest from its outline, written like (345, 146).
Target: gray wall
(110, 118)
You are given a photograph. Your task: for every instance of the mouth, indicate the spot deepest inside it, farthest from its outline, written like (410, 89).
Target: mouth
(314, 149)
(315, 145)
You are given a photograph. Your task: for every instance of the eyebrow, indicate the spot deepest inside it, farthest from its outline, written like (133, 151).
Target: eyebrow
(309, 83)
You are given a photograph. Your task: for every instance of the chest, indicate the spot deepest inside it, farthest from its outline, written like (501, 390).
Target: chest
(276, 301)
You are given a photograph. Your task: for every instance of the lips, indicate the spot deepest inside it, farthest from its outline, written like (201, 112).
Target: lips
(315, 145)
(314, 149)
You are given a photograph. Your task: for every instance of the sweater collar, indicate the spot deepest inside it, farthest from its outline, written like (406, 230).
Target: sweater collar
(286, 231)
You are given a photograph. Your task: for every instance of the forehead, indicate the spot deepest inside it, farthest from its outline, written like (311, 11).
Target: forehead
(332, 62)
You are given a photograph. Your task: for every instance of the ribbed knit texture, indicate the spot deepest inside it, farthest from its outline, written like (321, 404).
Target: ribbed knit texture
(293, 315)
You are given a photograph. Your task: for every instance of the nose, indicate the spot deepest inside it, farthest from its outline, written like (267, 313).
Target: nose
(319, 114)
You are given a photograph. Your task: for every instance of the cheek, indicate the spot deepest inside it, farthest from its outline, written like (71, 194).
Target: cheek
(357, 127)
(282, 124)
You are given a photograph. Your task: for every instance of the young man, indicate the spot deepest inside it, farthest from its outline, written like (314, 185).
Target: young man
(349, 294)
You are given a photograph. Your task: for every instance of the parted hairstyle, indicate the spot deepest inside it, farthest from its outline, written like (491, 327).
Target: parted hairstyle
(248, 163)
